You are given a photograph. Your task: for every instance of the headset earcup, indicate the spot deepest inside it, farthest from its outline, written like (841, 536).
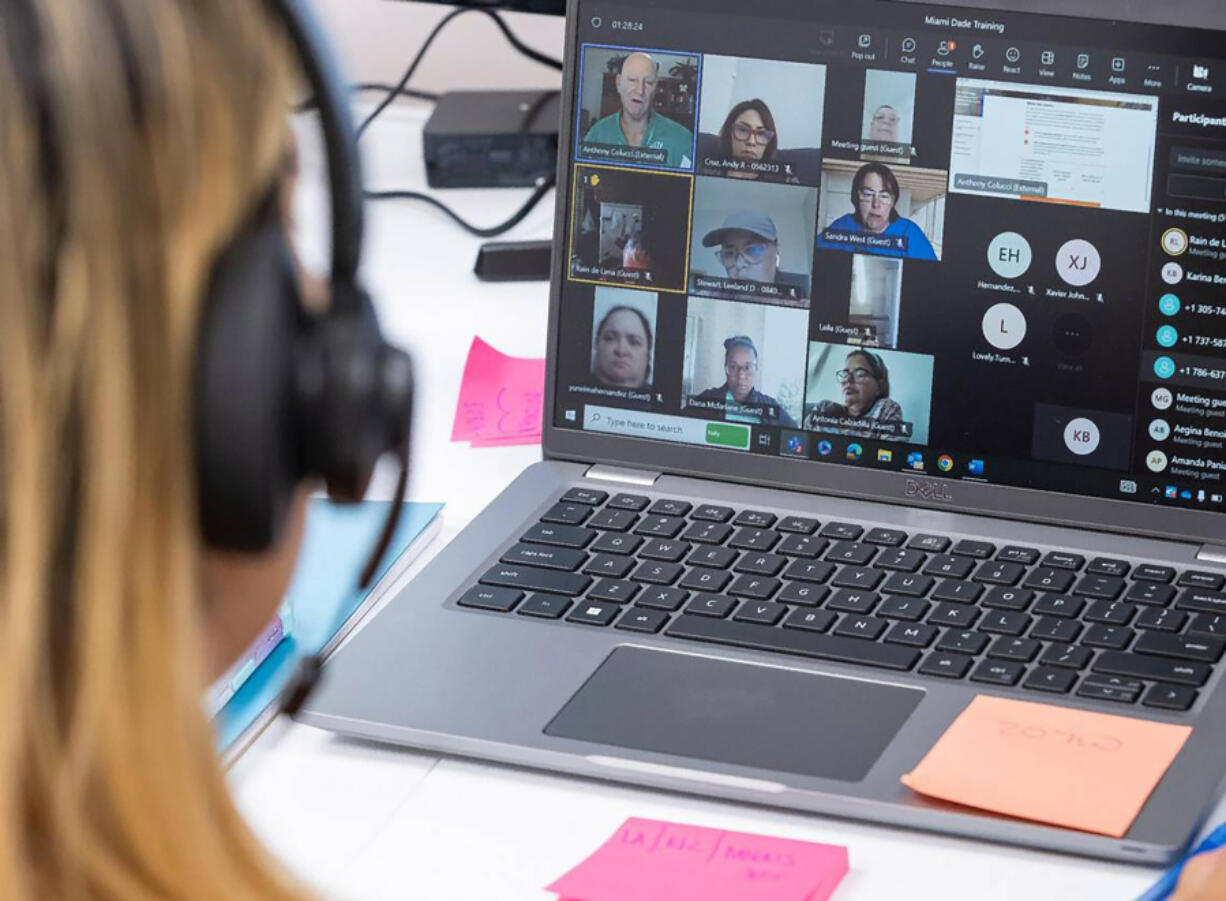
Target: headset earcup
(246, 431)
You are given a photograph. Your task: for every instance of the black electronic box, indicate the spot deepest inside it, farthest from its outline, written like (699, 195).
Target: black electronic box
(492, 139)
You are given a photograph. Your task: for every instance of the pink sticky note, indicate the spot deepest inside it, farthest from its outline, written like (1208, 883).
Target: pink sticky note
(651, 860)
(501, 398)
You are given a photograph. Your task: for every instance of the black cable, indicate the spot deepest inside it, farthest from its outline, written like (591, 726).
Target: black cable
(402, 85)
(494, 231)
(383, 88)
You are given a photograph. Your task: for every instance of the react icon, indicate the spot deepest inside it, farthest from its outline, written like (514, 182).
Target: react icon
(1156, 461)
(1162, 398)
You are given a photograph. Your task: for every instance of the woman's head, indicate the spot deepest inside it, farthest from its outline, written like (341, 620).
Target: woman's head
(623, 349)
(863, 382)
(749, 132)
(740, 366)
(138, 137)
(874, 194)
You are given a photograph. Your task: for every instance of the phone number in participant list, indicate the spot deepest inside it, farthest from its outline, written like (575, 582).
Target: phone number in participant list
(1207, 309)
(1203, 372)
(1206, 341)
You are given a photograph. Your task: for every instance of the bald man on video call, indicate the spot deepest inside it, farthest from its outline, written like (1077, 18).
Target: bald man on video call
(637, 124)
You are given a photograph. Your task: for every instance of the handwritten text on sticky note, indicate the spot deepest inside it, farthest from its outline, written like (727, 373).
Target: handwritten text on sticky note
(1073, 768)
(650, 860)
(501, 399)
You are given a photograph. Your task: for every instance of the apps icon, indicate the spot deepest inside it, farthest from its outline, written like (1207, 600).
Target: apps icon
(885, 456)
(975, 467)
(1171, 492)
(945, 462)
(825, 448)
(854, 451)
(915, 460)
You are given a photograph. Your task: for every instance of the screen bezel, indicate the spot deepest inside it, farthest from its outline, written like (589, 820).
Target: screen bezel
(925, 491)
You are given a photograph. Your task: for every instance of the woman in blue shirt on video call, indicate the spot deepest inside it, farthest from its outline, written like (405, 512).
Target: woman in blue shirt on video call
(874, 197)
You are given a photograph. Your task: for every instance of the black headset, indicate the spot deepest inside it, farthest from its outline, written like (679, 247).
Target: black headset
(282, 394)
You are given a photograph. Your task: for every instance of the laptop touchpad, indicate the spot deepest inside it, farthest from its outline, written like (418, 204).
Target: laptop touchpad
(714, 709)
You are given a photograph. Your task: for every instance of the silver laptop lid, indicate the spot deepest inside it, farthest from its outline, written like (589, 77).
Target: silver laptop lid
(944, 256)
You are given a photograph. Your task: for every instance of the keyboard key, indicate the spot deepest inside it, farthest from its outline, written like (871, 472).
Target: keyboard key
(658, 573)
(907, 584)
(616, 543)
(1151, 573)
(1184, 647)
(610, 566)
(1108, 587)
(716, 557)
(585, 496)
(702, 579)
(1163, 619)
(1064, 560)
(616, 590)
(1048, 678)
(1044, 578)
(712, 513)
(669, 599)
(910, 609)
(751, 539)
(949, 567)
(635, 502)
(955, 616)
(1105, 566)
(915, 635)
(1115, 613)
(1066, 655)
(934, 544)
(1005, 622)
(802, 546)
(763, 612)
(963, 642)
(801, 525)
(809, 570)
(1057, 629)
(757, 588)
(809, 620)
(1201, 601)
(842, 531)
(793, 641)
(668, 550)
(1169, 697)
(761, 564)
(1208, 624)
(1008, 598)
(755, 518)
(664, 507)
(980, 550)
(1110, 688)
(866, 627)
(998, 672)
(1146, 666)
(1023, 650)
(803, 593)
(945, 665)
(1059, 605)
(957, 592)
(660, 526)
(568, 514)
(886, 537)
(565, 559)
(499, 600)
(858, 577)
(853, 601)
(1154, 593)
(996, 572)
(532, 578)
(851, 552)
(559, 536)
(707, 532)
(1027, 556)
(1103, 636)
(715, 605)
(545, 606)
(1194, 579)
(900, 559)
(594, 613)
(638, 620)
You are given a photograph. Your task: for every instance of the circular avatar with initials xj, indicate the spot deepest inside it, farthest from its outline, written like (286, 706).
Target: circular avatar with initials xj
(1078, 262)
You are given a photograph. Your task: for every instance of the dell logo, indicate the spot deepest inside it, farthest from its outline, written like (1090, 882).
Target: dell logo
(928, 491)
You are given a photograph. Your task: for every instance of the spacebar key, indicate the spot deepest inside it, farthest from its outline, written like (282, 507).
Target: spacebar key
(787, 641)
(531, 578)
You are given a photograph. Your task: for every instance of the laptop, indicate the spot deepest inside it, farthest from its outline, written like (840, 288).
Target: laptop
(886, 369)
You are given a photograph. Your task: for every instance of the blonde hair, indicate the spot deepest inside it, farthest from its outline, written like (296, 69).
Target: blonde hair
(161, 127)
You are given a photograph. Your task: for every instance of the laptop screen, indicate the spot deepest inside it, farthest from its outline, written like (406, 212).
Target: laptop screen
(976, 245)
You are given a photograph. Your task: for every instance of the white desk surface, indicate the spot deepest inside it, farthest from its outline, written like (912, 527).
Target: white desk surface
(359, 820)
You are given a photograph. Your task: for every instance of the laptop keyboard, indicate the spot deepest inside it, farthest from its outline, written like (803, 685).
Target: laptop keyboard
(1052, 622)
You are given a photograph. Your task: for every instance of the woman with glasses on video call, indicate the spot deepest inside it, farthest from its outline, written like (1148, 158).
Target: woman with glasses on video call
(874, 199)
(749, 136)
(865, 386)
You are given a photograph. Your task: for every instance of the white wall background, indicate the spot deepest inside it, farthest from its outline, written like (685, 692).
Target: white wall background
(794, 92)
(896, 89)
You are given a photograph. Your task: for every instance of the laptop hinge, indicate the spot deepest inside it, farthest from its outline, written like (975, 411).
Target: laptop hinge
(1212, 553)
(641, 477)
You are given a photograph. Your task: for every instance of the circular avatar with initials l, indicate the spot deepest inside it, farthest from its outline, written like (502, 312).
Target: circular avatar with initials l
(1081, 436)
(1010, 255)
(1156, 461)
(1004, 326)
(1078, 262)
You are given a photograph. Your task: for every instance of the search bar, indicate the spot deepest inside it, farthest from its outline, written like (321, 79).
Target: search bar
(680, 429)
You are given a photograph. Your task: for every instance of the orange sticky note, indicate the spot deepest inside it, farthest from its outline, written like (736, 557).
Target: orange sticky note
(1073, 768)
